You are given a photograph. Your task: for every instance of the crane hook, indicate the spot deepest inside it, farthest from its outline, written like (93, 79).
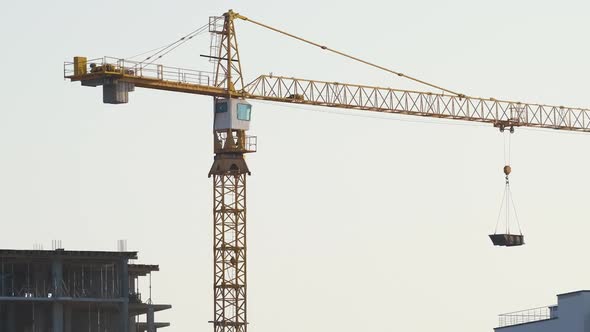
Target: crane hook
(507, 171)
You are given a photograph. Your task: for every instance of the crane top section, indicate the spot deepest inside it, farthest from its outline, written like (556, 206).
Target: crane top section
(118, 77)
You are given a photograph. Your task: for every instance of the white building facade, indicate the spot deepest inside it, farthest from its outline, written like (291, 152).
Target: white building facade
(571, 314)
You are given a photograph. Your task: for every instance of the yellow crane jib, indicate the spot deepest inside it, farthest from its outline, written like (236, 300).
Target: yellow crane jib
(110, 70)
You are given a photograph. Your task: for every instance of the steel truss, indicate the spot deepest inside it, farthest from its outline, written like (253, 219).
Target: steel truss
(229, 251)
(369, 98)
(229, 69)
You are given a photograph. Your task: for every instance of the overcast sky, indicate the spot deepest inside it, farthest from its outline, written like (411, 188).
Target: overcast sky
(355, 223)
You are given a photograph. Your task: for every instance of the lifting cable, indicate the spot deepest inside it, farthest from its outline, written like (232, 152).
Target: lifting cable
(146, 52)
(507, 198)
(515, 214)
(323, 47)
(510, 196)
(166, 49)
(500, 212)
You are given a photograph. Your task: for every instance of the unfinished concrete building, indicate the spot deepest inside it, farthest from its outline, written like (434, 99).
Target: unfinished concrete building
(71, 291)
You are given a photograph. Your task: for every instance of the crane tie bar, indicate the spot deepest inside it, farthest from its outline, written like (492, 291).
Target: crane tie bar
(323, 47)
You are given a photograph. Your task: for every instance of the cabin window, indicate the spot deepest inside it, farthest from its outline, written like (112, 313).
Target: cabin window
(220, 107)
(244, 112)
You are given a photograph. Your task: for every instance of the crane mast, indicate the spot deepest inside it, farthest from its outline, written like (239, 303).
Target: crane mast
(119, 77)
(229, 171)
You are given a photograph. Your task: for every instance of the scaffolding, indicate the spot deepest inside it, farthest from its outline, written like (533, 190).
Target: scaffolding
(65, 291)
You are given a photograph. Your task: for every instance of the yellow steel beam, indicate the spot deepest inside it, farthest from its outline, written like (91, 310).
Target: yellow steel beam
(157, 84)
(179, 87)
(501, 113)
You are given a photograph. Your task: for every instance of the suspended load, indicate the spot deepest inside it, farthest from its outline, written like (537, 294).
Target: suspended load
(505, 238)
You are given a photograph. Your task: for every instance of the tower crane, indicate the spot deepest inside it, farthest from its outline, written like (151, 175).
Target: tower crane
(232, 115)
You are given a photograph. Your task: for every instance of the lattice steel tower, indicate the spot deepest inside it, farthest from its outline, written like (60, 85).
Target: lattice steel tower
(229, 171)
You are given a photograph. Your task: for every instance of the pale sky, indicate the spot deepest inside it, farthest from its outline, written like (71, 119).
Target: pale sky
(355, 223)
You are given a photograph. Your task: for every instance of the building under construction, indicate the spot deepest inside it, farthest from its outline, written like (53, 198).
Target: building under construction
(65, 291)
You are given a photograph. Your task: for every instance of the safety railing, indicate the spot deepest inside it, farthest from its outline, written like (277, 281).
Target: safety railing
(110, 65)
(527, 316)
(244, 144)
(251, 143)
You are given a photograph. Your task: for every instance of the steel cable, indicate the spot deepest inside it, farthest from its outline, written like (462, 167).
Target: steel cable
(323, 47)
(166, 49)
(172, 46)
(500, 212)
(515, 213)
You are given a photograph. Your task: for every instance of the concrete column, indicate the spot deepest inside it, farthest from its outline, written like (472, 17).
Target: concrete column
(2, 318)
(132, 319)
(57, 281)
(68, 318)
(150, 319)
(124, 307)
(41, 318)
(2, 278)
(58, 317)
(57, 277)
(132, 324)
(132, 285)
(11, 318)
